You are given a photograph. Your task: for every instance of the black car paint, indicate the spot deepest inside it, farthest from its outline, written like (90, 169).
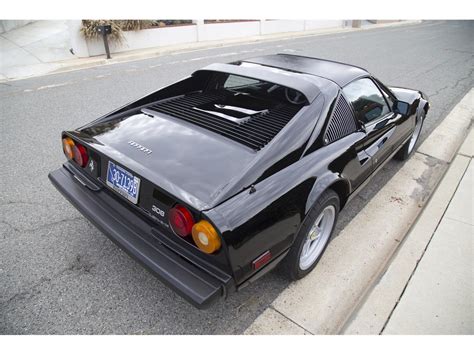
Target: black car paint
(256, 200)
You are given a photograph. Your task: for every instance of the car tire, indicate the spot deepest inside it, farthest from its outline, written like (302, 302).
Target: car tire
(321, 219)
(409, 147)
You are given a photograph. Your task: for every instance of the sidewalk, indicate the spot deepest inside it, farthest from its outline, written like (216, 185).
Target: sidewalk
(428, 288)
(34, 49)
(439, 296)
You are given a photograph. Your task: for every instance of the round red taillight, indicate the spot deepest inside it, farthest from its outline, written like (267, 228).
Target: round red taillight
(80, 155)
(181, 220)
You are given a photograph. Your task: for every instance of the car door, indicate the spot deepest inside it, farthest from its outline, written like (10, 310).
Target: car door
(352, 161)
(375, 116)
(405, 125)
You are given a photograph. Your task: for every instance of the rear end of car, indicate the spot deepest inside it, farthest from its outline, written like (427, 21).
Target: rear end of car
(150, 174)
(172, 239)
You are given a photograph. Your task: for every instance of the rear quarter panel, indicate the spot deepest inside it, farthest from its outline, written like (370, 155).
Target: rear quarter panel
(269, 218)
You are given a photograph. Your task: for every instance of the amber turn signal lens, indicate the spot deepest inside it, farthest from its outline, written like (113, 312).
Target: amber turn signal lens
(68, 145)
(206, 237)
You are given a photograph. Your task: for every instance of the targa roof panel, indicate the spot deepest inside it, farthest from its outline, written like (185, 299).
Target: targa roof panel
(340, 73)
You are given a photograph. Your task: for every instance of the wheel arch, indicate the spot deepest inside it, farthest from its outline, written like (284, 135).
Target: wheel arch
(426, 107)
(338, 184)
(342, 188)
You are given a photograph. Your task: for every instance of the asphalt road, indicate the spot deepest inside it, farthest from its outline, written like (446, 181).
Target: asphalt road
(58, 274)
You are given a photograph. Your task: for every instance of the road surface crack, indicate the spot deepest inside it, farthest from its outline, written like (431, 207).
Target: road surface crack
(77, 265)
(41, 226)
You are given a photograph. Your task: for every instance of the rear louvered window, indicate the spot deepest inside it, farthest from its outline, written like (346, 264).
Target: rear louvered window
(341, 123)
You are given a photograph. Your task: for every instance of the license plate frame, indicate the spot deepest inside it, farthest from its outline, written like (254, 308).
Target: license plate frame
(123, 182)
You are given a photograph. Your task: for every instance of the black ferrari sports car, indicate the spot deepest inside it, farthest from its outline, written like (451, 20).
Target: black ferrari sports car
(214, 180)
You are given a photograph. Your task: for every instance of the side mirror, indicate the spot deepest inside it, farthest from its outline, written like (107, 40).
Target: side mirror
(401, 107)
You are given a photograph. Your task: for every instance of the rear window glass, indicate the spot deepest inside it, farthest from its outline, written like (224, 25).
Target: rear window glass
(235, 81)
(258, 89)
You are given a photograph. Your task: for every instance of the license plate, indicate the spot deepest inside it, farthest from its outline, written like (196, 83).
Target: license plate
(125, 183)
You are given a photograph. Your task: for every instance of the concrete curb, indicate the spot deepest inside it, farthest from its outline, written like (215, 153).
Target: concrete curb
(85, 63)
(323, 302)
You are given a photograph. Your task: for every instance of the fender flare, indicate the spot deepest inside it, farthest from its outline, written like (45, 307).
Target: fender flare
(325, 182)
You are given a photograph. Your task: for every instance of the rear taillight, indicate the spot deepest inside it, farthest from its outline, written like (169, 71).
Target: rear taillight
(80, 155)
(206, 238)
(68, 145)
(75, 151)
(204, 234)
(181, 220)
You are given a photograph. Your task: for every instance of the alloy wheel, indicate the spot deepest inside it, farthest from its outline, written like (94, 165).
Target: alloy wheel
(317, 237)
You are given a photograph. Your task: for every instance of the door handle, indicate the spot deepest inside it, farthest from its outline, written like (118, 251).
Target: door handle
(382, 142)
(363, 157)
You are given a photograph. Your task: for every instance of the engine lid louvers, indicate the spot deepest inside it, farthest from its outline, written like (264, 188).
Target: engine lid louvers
(254, 132)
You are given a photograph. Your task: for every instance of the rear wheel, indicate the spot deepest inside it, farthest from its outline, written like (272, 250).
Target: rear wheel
(409, 147)
(313, 237)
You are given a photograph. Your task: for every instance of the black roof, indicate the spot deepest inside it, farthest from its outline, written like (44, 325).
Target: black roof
(339, 73)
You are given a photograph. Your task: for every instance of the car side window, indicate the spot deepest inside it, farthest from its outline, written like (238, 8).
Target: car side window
(385, 93)
(367, 100)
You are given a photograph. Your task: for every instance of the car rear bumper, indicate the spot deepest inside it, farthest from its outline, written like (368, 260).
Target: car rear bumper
(140, 239)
